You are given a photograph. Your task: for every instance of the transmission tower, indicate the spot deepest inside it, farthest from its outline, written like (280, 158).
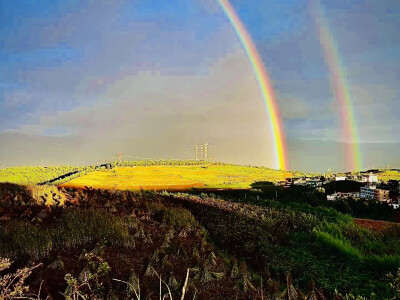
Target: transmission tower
(197, 152)
(120, 155)
(206, 151)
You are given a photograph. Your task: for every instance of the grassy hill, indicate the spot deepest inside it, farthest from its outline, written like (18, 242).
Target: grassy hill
(110, 230)
(389, 175)
(152, 175)
(35, 175)
(175, 177)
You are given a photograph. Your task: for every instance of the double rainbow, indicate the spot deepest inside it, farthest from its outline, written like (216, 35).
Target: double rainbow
(341, 89)
(263, 82)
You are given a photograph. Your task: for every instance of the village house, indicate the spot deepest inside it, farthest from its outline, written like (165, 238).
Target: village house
(372, 193)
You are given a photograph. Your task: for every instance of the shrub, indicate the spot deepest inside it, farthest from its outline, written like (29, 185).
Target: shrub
(338, 244)
(11, 193)
(76, 228)
(179, 218)
(81, 227)
(12, 286)
(90, 284)
(22, 239)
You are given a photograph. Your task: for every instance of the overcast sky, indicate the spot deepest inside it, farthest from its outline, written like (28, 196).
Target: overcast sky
(164, 73)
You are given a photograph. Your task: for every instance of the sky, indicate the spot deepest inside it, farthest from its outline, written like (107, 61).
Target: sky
(152, 78)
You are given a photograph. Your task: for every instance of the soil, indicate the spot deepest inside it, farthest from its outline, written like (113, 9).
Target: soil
(375, 225)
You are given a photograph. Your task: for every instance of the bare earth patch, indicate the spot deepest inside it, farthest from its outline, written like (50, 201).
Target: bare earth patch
(374, 224)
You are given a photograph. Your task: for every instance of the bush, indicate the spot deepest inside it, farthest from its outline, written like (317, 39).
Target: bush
(179, 218)
(12, 286)
(11, 193)
(81, 227)
(22, 239)
(76, 228)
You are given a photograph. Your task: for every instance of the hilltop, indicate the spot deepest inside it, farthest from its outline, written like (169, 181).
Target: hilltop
(156, 175)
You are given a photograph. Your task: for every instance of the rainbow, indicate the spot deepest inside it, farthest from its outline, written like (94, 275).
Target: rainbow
(263, 82)
(340, 87)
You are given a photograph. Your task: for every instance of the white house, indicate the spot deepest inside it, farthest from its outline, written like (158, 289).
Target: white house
(331, 197)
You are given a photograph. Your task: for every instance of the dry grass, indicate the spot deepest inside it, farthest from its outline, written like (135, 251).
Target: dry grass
(389, 175)
(47, 195)
(177, 177)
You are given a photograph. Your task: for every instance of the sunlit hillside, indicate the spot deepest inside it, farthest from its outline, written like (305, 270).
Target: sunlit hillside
(35, 175)
(174, 177)
(154, 175)
(389, 175)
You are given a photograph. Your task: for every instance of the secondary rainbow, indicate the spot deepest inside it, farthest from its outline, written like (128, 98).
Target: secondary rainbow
(263, 82)
(349, 129)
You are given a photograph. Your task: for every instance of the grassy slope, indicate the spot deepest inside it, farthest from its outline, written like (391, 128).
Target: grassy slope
(273, 238)
(389, 175)
(154, 175)
(311, 243)
(134, 233)
(36, 175)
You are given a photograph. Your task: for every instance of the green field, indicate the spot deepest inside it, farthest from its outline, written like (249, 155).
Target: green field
(35, 175)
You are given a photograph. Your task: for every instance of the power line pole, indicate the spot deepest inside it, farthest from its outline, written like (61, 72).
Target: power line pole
(201, 152)
(120, 154)
(197, 151)
(206, 151)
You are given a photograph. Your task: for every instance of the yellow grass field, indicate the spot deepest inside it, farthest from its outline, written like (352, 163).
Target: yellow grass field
(389, 175)
(176, 177)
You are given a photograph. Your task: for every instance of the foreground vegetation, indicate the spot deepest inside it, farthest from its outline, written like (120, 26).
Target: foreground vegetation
(311, 243)
(102, 244)
(129, 239)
